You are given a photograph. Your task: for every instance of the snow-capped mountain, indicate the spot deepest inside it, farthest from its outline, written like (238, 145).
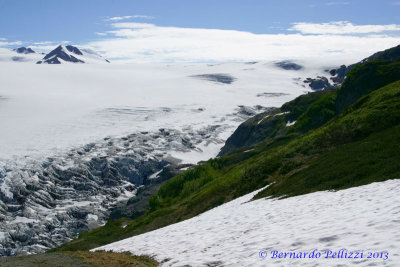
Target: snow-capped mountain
(73, 54)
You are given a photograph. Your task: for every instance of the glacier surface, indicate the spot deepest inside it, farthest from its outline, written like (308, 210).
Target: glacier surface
(76, 139)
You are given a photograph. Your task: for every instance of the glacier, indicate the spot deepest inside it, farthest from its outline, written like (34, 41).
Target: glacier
(78, 139)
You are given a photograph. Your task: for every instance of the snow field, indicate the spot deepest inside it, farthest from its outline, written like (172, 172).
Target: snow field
(365, 218)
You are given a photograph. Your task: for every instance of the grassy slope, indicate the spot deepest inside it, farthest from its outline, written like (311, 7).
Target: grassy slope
(267, 126)
(357, 147)
(79, 259)
(365, 78)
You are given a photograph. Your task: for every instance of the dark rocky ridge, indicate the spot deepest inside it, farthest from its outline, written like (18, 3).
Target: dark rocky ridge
(58, 53)
(318, 83)
(391, 54)
(139, 204)
(24, 50)
(288, 65)
(74, 49)
(249, 132)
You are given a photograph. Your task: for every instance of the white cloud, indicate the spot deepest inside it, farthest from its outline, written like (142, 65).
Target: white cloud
(5, 43)
(341, 27)
(43, 43)
(101, 33)
(43, 47)
(132, 25)
(337, 3)
(129, 17)
(144, 42)
(46, 46)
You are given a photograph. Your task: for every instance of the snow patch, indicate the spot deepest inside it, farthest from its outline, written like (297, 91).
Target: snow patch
(280, 114)
(155, 175)
(19, 219)
(92, 217)
(262, 119)
(290, 123)
(3, 235)
(361, 218)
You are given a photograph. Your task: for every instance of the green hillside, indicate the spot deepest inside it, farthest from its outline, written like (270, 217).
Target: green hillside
(326, 149)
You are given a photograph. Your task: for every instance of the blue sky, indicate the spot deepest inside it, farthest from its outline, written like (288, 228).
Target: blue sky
(84, 22)
(77, 21)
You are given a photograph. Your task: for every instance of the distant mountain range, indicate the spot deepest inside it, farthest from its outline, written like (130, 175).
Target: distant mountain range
(61, 54)
(71, 54)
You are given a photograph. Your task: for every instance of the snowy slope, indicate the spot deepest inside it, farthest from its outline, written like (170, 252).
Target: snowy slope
(242, 233)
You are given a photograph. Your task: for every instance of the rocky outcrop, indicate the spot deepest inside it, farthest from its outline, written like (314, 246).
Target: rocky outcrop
(288, 65)
(338, 75)
(318, 83)
(24, 50)
(60, 53)
(71, 54)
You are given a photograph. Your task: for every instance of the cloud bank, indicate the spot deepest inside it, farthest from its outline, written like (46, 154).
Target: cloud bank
(145, 42)
(138, 42)
(342, 27)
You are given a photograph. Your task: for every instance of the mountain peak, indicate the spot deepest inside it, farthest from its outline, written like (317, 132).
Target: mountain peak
(74, 49)
(24, 50)
(71, 54)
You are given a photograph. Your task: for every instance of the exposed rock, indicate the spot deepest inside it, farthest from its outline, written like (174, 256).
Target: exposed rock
(288, 65)
(392, 54)
(216, 77)
(249, 132)
(59, 53)
(139, 204)
(318, 83)
(339, 74)
(74, 49)
(24, 50)
(17, 59)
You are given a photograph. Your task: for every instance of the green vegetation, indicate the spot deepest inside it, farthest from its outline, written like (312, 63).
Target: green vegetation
(79, 259)
(317, 114)
(106, 259)
(365, 78)
(269, 126)
(392, 54)
(322, 151)
(300, 104)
